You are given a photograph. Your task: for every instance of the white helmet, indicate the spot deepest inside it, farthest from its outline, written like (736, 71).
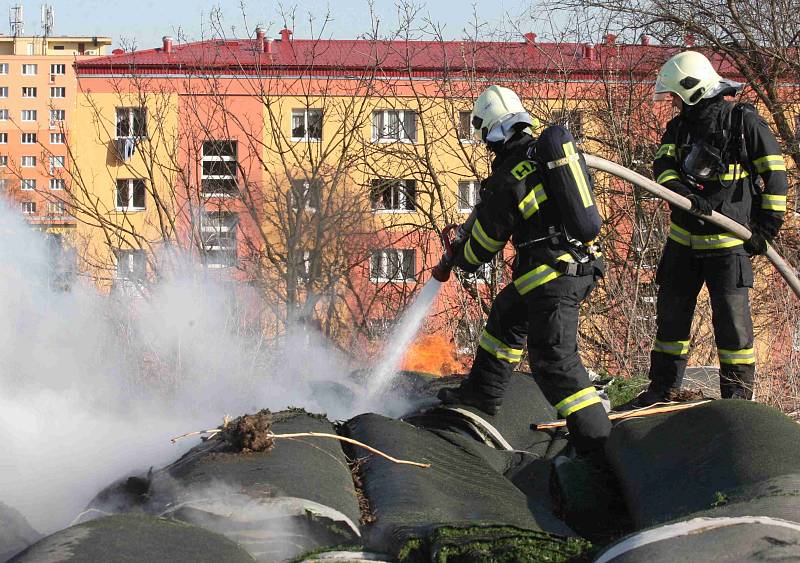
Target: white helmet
(495, 113)
(691, 76)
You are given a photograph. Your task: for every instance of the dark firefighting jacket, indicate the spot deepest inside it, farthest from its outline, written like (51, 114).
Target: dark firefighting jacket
(517, 203)
(748, 151)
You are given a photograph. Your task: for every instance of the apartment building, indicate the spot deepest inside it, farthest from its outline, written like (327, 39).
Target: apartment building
(38, 97)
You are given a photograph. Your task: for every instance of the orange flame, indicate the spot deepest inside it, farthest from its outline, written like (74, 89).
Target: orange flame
(432, 353)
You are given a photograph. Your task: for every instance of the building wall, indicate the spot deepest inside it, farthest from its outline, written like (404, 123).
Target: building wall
(51, 205)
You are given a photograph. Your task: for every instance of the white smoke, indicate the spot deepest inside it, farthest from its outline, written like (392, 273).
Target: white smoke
(92, 386)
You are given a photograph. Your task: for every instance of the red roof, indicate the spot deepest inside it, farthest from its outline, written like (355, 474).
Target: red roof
(355, 57)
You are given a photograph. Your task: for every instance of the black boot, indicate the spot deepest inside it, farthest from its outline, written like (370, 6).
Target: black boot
(465, 395)
(652, 395)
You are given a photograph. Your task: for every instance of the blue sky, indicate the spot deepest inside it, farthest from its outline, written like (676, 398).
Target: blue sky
(146, 21)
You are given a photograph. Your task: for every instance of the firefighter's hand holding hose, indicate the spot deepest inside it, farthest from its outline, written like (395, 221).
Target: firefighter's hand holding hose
(454, 248)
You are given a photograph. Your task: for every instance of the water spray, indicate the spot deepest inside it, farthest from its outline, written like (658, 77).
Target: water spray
(408, 327)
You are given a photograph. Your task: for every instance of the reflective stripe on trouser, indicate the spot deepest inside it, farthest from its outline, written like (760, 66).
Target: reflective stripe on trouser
(539, 276)
(773, 202)
(499, 350)
(674, 348)
(681, 275)
(586, 397)
(737, 357)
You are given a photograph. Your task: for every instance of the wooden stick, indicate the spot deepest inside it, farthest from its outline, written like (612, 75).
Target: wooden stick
(216, 431)
(190, 434)
(645, 411)
(354, 442)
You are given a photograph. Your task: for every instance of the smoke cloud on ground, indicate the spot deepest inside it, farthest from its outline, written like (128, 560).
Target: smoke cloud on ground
(92, 386)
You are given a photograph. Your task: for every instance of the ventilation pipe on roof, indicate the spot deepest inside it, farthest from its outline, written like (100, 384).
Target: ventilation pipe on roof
(260, 40)
(530, 38)
(286, 35)
(610, 38)
(589, 52)
(167, 41)
(644, 39)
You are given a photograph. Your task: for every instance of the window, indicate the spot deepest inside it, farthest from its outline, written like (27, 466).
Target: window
(3, 161)
(466, 132)
(3, 68)
(29, 69)
(27, 184)
(57, 116)
(3, 138)
(29, 138)
(392, 264)
(56, 162)
(57, 184)
(219, 168)
(468, 195)
(219, 238)
(571, 119)
(3, 91)
(29, 207)
(307, 124)
(58, 69)
(305, 194)
(58, 92)
(394, 125)
(29, 115)
(131, 265)
(131, 122)
(56, 208)
(56, 138)
(4, 115)
(28, 91)
(28, 161)
(393, 195)
(130, 194)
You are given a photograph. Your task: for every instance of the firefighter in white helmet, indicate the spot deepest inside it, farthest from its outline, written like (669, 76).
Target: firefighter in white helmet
(539, 195)
(723, 157)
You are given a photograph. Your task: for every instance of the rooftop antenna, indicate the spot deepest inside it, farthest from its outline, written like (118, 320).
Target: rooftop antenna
(16, 21)
(48, 19)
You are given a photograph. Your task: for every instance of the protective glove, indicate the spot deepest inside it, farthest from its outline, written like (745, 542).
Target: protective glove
(756, 244)
(700, 204)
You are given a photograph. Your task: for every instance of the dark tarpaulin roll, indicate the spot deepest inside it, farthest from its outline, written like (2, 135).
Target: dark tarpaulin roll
(310, 468)
(459, 489)
(134, 537)
(723, 540)
(716, 457)
(296, 497)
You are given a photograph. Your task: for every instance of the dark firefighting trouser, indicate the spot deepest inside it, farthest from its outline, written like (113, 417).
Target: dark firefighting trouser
(681, 274)
(548, 317)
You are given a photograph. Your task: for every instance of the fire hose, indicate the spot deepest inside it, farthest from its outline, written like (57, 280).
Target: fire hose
(441, 271)
(681, 202)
